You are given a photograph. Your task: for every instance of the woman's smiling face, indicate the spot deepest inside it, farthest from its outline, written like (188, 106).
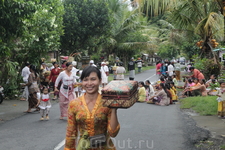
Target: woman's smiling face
(91, 83)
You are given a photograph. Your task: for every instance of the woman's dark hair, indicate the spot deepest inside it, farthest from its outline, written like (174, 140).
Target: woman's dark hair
(54, 63)
(148, 81)
(169, 78)
(172, 83)
(196, 79)
(221, 81)
(142, 83)
(214, 75)
(27, 64)
(162, 78)
(32, 67)
(165, 89)
(64, 61)
(191, 68)
(174, 76)
(88, 70)
(168, 86)
(190, 81)
(68, 64)
(203, 80)
(45, 87)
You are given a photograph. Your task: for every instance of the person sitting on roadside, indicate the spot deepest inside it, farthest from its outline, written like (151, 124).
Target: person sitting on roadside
(212, 77)
(196, 73)
(151, 89)
(201, 89)
(170, 93)
(161, 97)
(197, 82)
(213, 85)
(141, 92)
(161, 80)
(187, 92)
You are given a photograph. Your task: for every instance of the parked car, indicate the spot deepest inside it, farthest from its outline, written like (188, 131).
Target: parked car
(182, 62)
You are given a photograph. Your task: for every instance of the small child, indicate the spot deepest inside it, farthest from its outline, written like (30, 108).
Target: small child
(174, 93)
(175, 80)
(221, 100)
(45, 103)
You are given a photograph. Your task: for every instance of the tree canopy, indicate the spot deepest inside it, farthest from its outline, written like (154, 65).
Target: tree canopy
(86, 23)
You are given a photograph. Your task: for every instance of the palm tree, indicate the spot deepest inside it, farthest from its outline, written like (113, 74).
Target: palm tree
(155, 7)
(124, 23)
(202, 18)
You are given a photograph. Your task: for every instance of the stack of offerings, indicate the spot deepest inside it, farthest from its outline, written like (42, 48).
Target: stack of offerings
(120, 94)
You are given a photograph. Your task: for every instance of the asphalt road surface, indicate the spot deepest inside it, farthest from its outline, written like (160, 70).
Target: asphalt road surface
(143, 126)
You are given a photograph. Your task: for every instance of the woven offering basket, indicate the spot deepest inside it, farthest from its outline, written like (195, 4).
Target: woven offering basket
(120, 94)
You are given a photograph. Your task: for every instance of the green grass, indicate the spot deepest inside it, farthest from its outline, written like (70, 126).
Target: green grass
(222, 147)
(110, 78)
(203, 105)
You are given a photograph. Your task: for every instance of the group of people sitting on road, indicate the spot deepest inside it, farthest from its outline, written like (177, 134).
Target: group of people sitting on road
(194, 85)
(162, 93)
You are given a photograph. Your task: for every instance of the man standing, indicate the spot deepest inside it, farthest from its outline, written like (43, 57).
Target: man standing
(139, 64)
(131, 69)
(104, 72)
(177, 70)
(74, 69)
(74, 73)
(170, 69)
(117, 63)
(25, 74)
(158, 71)
(92, 63)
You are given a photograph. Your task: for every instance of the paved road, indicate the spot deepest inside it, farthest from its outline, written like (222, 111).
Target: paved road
(143, 126)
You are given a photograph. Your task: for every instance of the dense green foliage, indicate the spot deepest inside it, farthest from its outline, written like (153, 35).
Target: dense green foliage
(206, 66)
(86, 23)
(168, 51)
(29, 29)
(106, 29)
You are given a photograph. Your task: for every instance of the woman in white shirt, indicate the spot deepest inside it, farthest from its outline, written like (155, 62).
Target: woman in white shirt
(120, 70)
(150, 88)
(170, 69)
(66, 89)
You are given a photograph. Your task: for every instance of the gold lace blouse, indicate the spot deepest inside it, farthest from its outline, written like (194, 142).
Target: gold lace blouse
(80, 119)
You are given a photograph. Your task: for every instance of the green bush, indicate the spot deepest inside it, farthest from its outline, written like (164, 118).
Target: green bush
(206, 66)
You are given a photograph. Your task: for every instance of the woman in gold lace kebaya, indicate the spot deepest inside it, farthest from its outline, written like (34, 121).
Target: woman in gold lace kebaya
(87, 114)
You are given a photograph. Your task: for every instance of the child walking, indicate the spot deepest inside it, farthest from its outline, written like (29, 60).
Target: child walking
(45, 103)
(221, 100)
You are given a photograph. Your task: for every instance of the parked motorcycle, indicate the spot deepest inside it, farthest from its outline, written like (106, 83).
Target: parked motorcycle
(2, 96)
